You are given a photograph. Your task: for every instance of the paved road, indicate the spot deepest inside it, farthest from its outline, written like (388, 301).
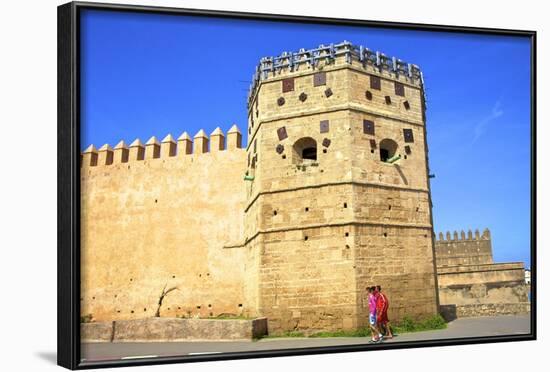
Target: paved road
(467, 327)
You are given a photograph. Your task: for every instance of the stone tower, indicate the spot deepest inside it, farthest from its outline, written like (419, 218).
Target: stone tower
(338, 194)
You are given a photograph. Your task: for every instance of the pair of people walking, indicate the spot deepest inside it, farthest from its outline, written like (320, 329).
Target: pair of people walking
(378, 314)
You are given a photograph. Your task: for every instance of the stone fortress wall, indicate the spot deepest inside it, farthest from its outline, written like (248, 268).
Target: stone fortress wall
(297, 240)
(160, 215)
(468, 278)
(330, 195)
(331, 225)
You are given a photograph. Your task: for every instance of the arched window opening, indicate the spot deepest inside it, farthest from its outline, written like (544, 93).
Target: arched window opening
(388, 148)
(305, 151)
(309, 153)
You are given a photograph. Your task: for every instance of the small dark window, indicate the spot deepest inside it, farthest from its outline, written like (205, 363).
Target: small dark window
(372, 144)
(345, 205)
(281, 133)
(288, 85)
(305, 237)
(406, 105)
(384, 154)
(324, 126)
(368, 94)
(408, 135)
(319, 79)
(388, 149)
(375, 82)
(274, 213)
(309, 153)
(368, 127)
(399, 89)
(408, 150)
(304, 149)
(388, 100)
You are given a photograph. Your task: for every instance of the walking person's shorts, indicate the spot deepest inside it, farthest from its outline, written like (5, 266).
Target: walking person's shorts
(372, 319)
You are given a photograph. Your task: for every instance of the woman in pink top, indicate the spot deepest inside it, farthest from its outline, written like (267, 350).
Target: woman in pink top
(376, 335)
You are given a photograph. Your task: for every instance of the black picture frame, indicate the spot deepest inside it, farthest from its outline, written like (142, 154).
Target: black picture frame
(68, 167)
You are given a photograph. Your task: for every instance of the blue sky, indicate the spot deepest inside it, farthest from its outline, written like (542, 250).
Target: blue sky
(146, 74)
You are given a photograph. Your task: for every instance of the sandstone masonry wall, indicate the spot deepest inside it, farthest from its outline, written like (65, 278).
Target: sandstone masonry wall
(327, 227)
(467, 249)
(159, 216)
(336, 197)
(467, 275)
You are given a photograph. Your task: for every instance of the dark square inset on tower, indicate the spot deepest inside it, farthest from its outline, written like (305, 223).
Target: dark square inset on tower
(324, 126)
(320, 78)
(375, 82)
(408, 135)
(281, 133)
(288, 85)
(399, 89)
(368, 127)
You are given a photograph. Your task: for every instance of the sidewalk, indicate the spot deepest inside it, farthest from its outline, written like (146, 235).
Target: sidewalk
(466, 327)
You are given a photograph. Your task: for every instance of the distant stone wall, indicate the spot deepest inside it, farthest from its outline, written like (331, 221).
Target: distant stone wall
(467, 275)
(173, 329)
(475, 284)
(451, 312)
(464, 249)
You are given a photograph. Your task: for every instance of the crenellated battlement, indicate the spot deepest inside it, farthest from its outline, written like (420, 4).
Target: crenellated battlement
(333, 54)
(168, 147)
(464, 248)
(469, 236)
